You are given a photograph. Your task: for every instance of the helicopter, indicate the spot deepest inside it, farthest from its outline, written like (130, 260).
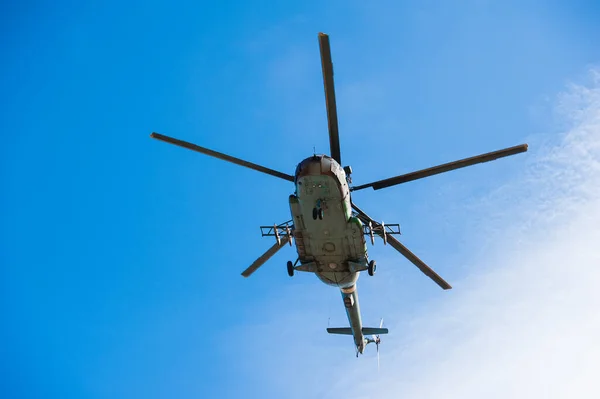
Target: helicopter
(328, 229)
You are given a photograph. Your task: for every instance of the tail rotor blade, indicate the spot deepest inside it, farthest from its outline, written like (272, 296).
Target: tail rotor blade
(377, 357)
(377, 342)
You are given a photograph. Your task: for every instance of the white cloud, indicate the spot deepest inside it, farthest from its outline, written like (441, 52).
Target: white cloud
(526, 323)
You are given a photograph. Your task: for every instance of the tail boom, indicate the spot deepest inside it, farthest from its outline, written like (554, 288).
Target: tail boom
(358, 332)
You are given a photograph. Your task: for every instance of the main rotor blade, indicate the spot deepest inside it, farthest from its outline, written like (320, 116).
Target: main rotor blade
(263, 258)
(334, 136)
(398, 246)
(222, 156)
(490, 156)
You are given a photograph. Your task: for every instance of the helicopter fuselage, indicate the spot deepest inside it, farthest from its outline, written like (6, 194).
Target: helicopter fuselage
(329, 239)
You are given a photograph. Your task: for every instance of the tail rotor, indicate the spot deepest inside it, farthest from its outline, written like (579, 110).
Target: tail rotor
(376, 340)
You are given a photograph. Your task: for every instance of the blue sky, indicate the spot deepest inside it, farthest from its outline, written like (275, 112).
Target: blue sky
(121, 256)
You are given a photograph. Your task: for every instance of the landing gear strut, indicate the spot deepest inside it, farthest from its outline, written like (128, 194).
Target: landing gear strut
(372, 268)
(290, 268)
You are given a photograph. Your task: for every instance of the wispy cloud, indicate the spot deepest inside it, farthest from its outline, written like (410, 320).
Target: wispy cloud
(526, 322)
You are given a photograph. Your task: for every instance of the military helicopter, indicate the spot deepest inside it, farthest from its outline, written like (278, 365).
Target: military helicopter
(327, 227)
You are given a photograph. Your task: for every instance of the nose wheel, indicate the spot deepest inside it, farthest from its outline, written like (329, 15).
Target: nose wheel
(372, 268)
(290, 268)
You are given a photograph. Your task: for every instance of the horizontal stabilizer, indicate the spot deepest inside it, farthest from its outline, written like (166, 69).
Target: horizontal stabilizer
(374, 331)
(340, 330)
(365, 330)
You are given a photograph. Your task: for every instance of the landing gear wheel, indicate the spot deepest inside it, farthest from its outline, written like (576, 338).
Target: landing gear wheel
(315, 213)
(290, 268)
(372, 268)
(320, 213)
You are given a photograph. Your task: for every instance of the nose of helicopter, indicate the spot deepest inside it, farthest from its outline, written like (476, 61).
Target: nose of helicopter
(310, 166)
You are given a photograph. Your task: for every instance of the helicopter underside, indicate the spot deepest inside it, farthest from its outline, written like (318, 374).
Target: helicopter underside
(329, 240)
